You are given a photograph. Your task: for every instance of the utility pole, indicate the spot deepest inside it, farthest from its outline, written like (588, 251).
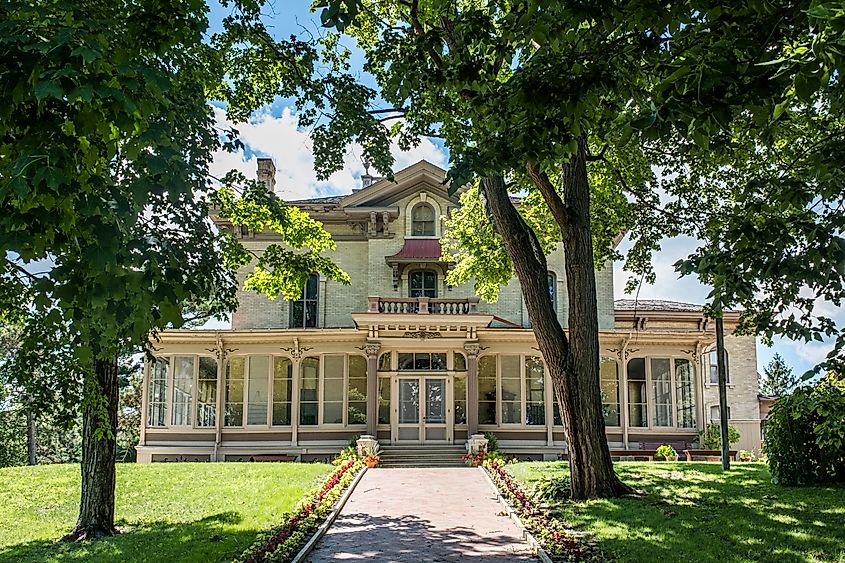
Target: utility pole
(723, 385)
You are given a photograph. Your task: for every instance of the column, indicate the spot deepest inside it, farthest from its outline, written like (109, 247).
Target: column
(623, 393)
(472, 349)
(372, 349)
(220, 407)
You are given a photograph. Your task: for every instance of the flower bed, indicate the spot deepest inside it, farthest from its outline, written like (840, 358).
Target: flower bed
(558, 541)
(281, 544)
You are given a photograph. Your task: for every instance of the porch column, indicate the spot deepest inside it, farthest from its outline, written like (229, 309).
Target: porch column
(472, 349)
(372, 349)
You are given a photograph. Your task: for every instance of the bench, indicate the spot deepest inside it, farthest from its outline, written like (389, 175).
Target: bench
(707, 455)
(678, 445)
(633, 454)
(280, 457)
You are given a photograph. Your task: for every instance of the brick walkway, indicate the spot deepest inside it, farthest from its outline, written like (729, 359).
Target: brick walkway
(421, 515)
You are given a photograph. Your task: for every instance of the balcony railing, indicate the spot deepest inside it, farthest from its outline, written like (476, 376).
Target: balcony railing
(422, 306)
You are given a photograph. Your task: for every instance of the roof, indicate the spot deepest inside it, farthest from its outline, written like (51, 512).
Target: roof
(655, 305)
(328, 199)
(418, 249)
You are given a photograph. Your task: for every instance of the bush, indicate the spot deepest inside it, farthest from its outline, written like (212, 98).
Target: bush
(492, 442)
(711, 437)
(805, 434)
(666, 451)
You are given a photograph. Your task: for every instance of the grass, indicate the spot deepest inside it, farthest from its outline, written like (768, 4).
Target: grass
(166, 511)
(694, 512)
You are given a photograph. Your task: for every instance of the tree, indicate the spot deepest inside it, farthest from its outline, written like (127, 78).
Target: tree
(574, 103)
(777, 379)
(105, 141)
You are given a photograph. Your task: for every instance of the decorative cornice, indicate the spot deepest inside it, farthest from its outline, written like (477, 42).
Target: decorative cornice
(422, 334)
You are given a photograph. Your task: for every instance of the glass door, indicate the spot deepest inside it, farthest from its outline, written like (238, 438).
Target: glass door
(435, 410)
(408, 429)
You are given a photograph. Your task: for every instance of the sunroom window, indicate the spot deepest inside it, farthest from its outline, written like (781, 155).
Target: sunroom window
(157, 393)
(609, 381)
(207, 392)
(422, 361)
(183, 382)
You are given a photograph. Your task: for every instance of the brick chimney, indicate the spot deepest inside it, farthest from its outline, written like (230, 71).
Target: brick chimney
(267, 173)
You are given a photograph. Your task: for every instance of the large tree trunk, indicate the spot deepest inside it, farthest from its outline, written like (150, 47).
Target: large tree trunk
(96, 508)
(31, 444)
(573, 367)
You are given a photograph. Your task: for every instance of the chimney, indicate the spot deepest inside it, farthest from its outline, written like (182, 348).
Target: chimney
(267, 173)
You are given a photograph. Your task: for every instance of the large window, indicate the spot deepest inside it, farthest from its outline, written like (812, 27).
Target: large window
(661, 386)
(637, 397)
(422, 220)
(422, 283)
(282, 390)
(685, 393)
(609, 380)
(308, 391)
(713, 368)
(487, 390)
(235, 371)
(460, 387)
(356, 407)
(422, 361)
(183, 381)
(384, 400)
(671, 393)
(333, 390)
(303, 312)
(535, 392)
(258, 390)
(511, 390)
(207, 392)
(157, 393)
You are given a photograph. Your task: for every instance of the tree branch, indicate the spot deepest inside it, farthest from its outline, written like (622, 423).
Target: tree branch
(550, 194)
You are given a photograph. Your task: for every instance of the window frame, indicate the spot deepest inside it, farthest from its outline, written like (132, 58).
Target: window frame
(304, 300)
(551, 278)
(271, 380)
(165, 400)
(422, 272)
(712, 368)
(673, 382)
(414, 220)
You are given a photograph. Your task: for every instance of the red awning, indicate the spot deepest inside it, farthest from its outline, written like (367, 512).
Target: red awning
(416, 250)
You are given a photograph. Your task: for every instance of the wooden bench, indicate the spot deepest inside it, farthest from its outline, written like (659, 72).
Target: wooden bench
(707, 455)
(619, 453)
(273, 458)
(679, 445)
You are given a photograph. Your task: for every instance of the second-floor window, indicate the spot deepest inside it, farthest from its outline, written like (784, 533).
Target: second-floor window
(422, 283)
(713, 368)
(303, 312)
(552, 279)
(422, 221)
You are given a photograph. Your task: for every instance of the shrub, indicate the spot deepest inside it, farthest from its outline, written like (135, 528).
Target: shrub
(346, 454)
(492, 442)
(805, 434)
(666, 451)
(711, 437)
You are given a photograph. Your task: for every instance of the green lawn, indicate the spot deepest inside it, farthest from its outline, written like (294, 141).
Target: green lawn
(166, 511)
(694, 512)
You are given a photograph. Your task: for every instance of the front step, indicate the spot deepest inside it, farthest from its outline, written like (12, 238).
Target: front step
(422, 456)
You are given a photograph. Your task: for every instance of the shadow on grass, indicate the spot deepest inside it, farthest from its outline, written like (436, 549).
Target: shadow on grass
(212, 538)
(364, 537)
(693, 511)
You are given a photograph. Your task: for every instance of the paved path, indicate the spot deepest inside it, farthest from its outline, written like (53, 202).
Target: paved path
(422, 515)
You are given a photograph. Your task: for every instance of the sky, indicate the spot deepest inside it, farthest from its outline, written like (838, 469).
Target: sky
(273, 132)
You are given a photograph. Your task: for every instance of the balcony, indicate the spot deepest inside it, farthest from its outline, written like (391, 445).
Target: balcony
(422, 306)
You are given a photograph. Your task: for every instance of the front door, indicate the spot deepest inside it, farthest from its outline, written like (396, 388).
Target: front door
(422, 416)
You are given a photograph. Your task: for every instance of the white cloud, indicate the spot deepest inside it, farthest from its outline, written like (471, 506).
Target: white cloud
(279, 138)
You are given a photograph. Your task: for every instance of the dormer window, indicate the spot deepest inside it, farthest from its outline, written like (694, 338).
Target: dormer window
(422, 220)
(303, 312)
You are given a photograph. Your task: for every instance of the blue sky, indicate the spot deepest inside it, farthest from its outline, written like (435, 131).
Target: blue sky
(273, 132)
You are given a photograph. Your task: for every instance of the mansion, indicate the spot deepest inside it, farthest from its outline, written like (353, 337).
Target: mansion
(403, 356)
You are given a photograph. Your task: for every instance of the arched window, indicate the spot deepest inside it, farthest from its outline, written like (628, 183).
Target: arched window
(422, 283)
(422, 220)
(303, 311)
